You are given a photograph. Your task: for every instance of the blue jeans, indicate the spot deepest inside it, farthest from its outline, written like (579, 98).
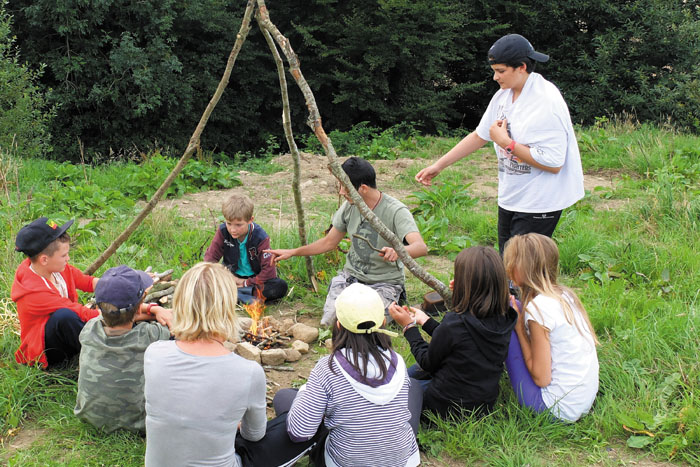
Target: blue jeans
(421, 376)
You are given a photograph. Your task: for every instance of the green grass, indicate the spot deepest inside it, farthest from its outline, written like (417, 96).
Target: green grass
(630, 250)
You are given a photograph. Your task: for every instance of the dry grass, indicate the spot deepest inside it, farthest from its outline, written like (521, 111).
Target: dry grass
(9, 322)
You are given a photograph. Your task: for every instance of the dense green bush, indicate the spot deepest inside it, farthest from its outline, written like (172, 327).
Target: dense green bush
(129, 75)
(24, 114)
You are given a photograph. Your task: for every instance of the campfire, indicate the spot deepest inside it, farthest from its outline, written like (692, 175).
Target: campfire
(262, 333)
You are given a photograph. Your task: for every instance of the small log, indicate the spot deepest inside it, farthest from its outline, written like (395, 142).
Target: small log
(278, 368)
(158, 286)
(268, 340)
(163, 276)
(156, 295)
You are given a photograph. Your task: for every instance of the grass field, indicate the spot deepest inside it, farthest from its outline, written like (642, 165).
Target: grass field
(631, 248)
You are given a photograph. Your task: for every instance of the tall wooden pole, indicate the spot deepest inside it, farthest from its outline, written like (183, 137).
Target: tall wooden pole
(191, 147)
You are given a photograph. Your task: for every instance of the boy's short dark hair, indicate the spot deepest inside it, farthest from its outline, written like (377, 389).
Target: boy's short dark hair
(360, 172)
(530, 65)
(113, 316)
(52, 247)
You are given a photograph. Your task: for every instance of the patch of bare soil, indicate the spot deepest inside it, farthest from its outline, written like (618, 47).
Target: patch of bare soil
(274, 200)
(625, 456)
(18, 439)
(272, 194)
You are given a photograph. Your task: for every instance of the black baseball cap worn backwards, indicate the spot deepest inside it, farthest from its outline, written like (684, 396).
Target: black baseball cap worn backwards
(33, 238)
(514, 47)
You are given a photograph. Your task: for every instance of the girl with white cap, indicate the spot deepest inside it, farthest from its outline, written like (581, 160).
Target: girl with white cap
(361, 392)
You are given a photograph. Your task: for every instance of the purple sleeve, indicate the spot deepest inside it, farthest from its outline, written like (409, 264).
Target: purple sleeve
(216, 249)
(309, 407)
(267, 269)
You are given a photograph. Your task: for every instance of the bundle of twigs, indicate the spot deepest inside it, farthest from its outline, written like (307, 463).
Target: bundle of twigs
(163, 287)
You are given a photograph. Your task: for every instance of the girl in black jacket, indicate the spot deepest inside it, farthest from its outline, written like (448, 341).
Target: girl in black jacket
(461, 366)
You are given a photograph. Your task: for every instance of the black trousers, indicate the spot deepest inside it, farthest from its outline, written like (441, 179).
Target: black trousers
(272, 289)
(276, 448)
(61, 336)
(511, 223)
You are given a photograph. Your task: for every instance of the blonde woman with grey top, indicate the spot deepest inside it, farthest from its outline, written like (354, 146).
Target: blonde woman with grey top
(197, 391)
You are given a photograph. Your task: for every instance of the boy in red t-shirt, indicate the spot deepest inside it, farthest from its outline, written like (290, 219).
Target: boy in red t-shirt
(44, 289)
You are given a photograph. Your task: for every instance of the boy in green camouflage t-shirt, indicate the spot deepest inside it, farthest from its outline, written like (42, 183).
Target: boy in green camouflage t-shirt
(110, 383)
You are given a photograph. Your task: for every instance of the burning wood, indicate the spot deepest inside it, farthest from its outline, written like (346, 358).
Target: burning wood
(256, 310)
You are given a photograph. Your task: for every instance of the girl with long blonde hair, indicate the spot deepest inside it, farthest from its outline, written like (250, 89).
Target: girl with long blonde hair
(552, 361)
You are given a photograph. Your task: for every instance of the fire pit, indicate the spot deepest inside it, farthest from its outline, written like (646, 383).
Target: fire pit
(262, 332)
(272, 342)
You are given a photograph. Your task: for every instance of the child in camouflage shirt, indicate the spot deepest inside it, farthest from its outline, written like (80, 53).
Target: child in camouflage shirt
(110, 383)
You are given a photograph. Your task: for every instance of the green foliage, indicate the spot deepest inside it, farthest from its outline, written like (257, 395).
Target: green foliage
(370, 142)
(24, 113)
(69, 191)
(431, 214)
(126, 76)
(382, 61)
(142, 181)
(637, 57)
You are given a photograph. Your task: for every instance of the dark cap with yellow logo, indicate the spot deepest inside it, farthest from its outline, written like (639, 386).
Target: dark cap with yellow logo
(33, 238)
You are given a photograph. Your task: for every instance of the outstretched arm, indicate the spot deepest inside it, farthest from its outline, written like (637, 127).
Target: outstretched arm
(468, 145)
(322, 245)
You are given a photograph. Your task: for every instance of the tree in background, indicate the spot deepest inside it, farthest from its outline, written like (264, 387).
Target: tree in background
(24, 114)
(610, 56)
(127, 75)
(381, 61)
(111, 66)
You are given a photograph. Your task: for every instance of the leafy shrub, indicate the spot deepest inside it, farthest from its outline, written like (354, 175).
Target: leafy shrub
(369, 142)
(431, 214)
(141, 181)
(24, 114)
(78, 191)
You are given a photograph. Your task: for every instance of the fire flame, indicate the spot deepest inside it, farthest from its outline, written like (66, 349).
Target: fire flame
(256, 310)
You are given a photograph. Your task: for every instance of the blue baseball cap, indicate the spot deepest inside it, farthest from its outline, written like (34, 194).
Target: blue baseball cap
(122, 287)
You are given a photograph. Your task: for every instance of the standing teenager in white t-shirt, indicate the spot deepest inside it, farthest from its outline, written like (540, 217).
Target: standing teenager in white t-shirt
(552, 361)
(539, 165)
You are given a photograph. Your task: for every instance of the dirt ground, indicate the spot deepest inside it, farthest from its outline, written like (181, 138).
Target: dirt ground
(275, 203)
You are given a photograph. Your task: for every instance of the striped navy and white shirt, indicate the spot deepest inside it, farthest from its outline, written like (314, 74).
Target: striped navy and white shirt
(368, 419)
